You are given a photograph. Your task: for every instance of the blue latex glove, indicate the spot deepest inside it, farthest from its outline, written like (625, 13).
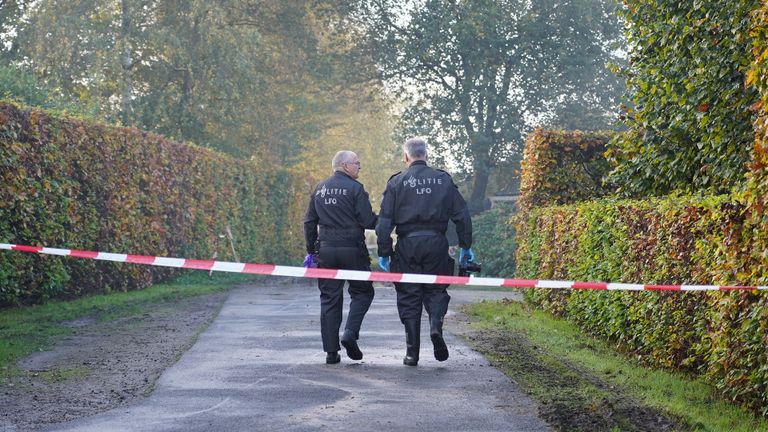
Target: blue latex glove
(310, 260)
(384, 263)
(468, 254)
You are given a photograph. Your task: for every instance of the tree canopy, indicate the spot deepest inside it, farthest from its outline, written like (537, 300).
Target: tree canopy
(476, 76)
(247, 77)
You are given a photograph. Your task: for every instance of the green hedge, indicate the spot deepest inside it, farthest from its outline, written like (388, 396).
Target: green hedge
(679, 239)
(690, 122)
(73, 184)
(699, 78)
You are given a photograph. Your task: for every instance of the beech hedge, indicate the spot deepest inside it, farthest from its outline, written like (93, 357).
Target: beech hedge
(561, 167)
(671, 240)
(76, 184)
(700, 80)
(689, 117)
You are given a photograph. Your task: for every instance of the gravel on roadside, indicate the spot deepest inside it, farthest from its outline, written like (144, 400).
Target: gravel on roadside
(103, 365)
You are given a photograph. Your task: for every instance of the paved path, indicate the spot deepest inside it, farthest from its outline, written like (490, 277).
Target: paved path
(259, 367)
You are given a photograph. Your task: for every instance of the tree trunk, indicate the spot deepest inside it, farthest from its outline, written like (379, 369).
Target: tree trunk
(477, 199)
(126, 107)
(481, 148)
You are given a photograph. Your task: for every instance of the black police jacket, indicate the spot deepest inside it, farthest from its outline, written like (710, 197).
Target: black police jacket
(341, 207)
(421, 198)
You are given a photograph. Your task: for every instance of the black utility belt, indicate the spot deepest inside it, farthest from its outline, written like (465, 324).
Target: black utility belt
(421, 233)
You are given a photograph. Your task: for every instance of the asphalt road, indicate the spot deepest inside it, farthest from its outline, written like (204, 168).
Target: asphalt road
(260, 367)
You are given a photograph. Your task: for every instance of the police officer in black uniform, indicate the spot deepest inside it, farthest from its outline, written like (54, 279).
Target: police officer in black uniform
(341, 208)
(418, 203)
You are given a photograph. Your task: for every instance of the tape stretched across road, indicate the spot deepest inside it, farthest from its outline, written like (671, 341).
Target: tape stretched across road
(277, 270)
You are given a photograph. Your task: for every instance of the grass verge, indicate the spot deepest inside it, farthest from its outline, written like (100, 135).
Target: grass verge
(562, 365)
(29, 329)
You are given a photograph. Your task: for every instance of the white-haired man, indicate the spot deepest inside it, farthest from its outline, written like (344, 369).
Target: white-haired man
(340, 207)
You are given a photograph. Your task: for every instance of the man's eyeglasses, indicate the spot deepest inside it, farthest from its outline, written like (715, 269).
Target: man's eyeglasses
(353, 163)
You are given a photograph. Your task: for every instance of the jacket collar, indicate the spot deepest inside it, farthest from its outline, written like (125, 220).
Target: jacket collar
(342, 174)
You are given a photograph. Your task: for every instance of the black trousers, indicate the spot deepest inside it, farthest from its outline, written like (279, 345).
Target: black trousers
(423, 255)
(332, 293)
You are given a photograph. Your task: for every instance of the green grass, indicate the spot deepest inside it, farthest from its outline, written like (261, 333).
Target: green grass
(29, 329)
(684, 397)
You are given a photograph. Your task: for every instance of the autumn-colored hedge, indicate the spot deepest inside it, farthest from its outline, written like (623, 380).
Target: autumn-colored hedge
(678, 239)
(754, 259)
(561, 167)
(74, 184)
(698, 87)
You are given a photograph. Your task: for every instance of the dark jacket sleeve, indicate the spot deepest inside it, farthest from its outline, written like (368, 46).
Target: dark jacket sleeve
(384, 226)
(365, 214)
(460, 216)
(310, 225)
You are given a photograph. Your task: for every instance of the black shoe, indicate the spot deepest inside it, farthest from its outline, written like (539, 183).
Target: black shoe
(441, 350)
(350, 344)
(332, 358)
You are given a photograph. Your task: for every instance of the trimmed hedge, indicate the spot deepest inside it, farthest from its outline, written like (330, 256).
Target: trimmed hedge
(753, 261)
(691, 129)
(74, 184)
(679, 239)
(690, 123)
(562, 167)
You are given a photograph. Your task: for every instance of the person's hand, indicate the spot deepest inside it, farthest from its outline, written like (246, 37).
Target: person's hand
(466, 253)
(384, 263)
(310, 260)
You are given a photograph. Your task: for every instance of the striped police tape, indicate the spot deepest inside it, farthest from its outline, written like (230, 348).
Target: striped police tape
(277, 270)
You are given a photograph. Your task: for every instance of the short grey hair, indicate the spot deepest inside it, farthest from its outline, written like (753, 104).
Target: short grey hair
(415, 148)
(341, 157)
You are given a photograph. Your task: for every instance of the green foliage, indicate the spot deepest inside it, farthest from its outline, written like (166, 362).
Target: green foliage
(674, 240)
(26, 88)
(72, 184)
(697, 87)
(561, 167)
(689, 120)
(245, 77)
(493, 240)
(752, 262)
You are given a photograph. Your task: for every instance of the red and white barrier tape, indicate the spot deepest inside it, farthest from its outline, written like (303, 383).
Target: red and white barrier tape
(277, 270)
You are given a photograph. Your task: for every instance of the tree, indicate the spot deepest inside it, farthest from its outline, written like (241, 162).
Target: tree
(477, 75)
(245, 77)
(25, 88)
(11, 16)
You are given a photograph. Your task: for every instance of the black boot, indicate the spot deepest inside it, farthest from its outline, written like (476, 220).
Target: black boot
(332, 357)
(412, 339)
(436, 334)
(349, 341)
